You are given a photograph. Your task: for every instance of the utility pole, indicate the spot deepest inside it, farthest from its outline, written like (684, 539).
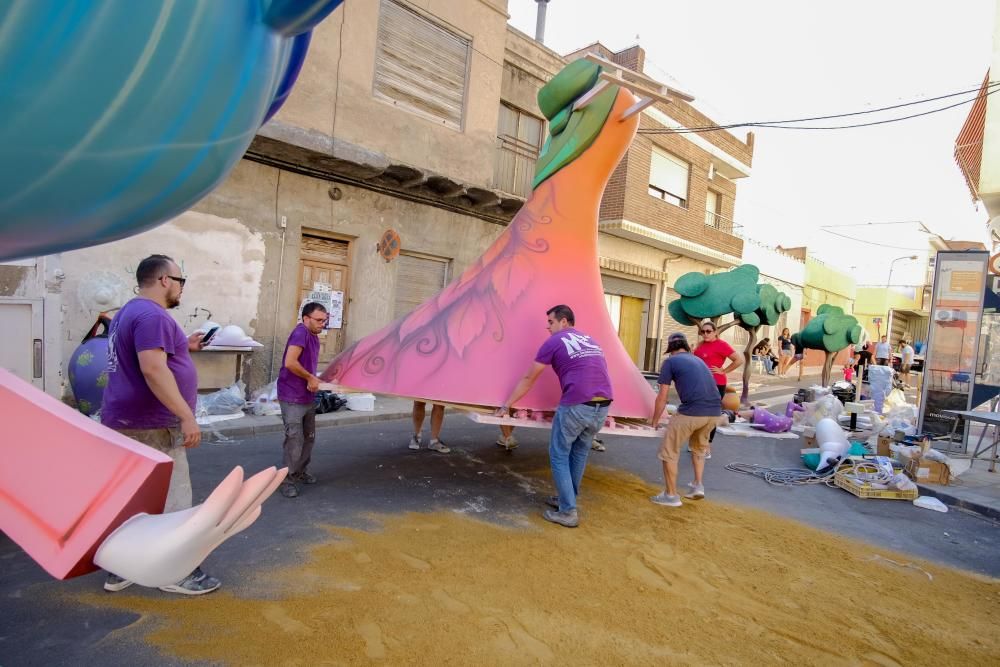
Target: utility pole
(540, 20)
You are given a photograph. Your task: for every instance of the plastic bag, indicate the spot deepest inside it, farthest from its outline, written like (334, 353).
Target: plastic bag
(827, 406)
(895, 399)
(228, 401)
(327, 401)
(900, 418)
(265, 400)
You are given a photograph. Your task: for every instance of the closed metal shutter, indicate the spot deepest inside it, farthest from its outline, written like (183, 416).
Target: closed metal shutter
(420, 65)
(417, 280)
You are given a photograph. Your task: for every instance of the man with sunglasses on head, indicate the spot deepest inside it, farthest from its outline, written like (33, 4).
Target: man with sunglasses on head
(152, 388)
(297, 387)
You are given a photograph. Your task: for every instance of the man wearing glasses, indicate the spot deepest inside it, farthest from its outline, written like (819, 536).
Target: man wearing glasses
(152, 388)
(297, 387)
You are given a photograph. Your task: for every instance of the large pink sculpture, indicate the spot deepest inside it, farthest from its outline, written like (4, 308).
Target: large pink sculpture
(471, 343)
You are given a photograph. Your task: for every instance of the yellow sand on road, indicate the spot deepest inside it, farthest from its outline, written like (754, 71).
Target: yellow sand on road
(636, 584)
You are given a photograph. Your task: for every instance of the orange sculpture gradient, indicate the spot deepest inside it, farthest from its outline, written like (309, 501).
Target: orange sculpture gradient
(471, 343)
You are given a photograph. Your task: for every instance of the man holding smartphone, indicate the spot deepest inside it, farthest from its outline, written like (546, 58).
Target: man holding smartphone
(297, 387)
(152, 388)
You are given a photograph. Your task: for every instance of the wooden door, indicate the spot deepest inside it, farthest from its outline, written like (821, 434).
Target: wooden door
(325, 261)
(630, 326)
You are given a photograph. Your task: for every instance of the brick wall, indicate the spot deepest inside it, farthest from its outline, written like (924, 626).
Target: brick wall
(613, 200)
(687, 223)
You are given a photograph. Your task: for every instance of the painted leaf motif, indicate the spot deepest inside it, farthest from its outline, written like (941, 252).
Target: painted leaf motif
(454, 291)
(511, 277)
(465, 323)
(494, 250)
(418, 319)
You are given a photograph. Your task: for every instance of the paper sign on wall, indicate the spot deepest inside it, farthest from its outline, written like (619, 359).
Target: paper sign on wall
(332, 300)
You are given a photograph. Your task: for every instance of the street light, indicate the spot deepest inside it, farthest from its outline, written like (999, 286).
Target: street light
(888, 283)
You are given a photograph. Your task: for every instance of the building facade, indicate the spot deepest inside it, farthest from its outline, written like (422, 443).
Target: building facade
(409, 116)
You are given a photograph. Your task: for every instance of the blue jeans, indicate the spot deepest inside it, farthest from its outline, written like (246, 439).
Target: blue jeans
(573, 431)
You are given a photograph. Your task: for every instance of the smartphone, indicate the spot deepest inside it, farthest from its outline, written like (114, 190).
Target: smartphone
(208, 335)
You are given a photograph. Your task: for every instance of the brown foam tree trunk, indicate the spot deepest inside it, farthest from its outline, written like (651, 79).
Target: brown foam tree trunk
(747, 354)
(827, 368)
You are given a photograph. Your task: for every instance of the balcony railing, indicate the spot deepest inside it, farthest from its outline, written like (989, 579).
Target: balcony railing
(723, 224)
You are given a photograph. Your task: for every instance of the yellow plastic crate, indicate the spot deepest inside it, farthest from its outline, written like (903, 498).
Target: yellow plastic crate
(865, 490)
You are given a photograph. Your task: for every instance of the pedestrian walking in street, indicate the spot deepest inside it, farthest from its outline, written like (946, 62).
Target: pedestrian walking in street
(798, 355)
(578, 361)
(883, 352)
(297, 387)
(437, 420)
(906, 362)
(785, 345)
(697, 416)
(152, 388)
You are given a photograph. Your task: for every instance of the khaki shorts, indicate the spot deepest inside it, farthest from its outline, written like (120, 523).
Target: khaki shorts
(170, 441)
(685, 428)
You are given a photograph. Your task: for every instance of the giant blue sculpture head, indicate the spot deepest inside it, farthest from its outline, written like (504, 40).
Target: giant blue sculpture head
(116, 115)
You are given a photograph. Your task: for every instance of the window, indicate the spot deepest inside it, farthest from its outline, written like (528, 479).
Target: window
(712, 208)
(519, 137)
(668, 178)
(420, 66)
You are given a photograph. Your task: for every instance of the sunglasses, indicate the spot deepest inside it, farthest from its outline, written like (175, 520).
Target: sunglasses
(177, 279)
(705, 331)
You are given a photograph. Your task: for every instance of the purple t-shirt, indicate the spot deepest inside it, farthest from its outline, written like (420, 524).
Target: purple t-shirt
(579, 363)
(292, 388)
(128, 401)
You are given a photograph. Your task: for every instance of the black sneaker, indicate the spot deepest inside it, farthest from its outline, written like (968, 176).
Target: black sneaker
(196, 583)
(114, 583)
(289, 490)
(305, 478)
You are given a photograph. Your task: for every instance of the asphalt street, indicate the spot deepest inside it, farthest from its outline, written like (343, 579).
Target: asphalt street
(367, 469)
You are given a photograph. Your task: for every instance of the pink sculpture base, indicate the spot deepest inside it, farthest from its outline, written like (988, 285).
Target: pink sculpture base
(66, 482)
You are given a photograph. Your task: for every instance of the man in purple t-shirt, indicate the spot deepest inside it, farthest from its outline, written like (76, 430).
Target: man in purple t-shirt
(152, 388)
(579, 363)
(297, 386)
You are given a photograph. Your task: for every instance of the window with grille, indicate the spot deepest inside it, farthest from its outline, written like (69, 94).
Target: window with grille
(668, 178)
(519, 138)
(420, 66)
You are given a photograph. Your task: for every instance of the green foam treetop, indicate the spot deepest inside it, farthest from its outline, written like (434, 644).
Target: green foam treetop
(831, 330)
(712, 296)
(571, 132)
(772, 304)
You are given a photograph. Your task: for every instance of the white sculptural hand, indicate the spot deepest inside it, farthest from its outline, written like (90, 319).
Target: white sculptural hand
(161, 549)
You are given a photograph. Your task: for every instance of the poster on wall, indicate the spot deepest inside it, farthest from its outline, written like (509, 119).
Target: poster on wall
(953, 339)
(332, 300)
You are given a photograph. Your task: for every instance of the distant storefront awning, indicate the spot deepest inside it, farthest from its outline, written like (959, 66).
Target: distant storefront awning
(969, 144)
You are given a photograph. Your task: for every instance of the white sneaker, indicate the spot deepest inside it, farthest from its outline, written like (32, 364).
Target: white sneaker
(667, 500)
(415, 442)
(695, 492)
(438, 446)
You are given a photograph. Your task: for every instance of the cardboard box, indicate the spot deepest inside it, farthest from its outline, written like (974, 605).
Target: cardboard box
(923, 471)
(808, 442)
(883, 446)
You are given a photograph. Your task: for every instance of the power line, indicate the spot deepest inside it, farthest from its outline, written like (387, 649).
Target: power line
(881, 245)
(780, 124)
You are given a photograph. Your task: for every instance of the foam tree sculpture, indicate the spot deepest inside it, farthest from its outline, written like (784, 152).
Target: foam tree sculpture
(831, 330)
(772, 304)
(712, 297)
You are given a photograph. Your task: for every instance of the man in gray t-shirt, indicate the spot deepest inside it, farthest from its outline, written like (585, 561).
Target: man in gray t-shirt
(697, 415)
